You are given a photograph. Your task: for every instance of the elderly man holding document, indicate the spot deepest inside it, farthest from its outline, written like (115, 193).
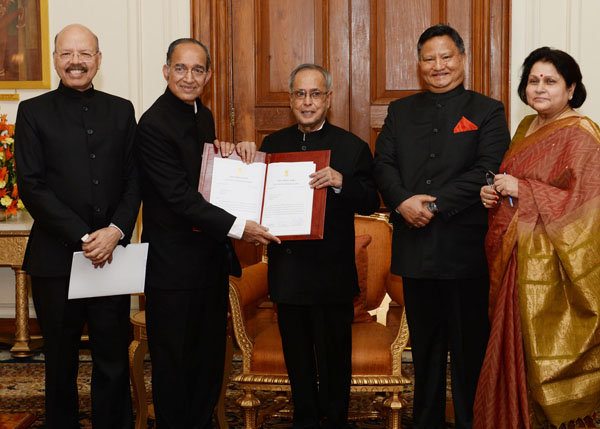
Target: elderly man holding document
(313, 282)
(190, 255)
(315, 177)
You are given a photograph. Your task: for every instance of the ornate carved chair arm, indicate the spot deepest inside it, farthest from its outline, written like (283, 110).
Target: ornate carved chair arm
(244, 292)
(395, 290)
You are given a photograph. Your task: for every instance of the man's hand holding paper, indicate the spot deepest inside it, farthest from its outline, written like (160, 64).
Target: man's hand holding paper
(100, 245)
(245, 149)
(124, 276)
(257, 234)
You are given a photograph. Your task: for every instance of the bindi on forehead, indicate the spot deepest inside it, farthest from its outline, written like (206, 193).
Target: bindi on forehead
(542, 75)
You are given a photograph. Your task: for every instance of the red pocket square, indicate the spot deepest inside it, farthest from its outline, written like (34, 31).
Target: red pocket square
(464, 125)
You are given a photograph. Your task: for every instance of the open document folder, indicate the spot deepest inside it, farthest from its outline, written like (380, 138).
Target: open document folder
(125, 275)
(274, 190)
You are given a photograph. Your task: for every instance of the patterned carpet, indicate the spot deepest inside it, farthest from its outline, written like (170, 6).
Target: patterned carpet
(22, 390)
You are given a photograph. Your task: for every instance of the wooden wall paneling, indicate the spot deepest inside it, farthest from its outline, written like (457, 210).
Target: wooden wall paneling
(438, 11)
(222, 83)
(480, 55)
(360, 69)
(201, 15)
(200, 30)
(460, 15)
(375, 131)
(337, 22)
(288, 33)
(211, 25)
(395, 28)
(378, 115)
(243, 36)
(244, 76)
(499, 49)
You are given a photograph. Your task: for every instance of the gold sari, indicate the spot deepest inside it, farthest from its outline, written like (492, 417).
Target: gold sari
(542, 364)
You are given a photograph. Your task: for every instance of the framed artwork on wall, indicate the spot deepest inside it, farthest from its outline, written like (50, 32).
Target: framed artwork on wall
(24, 44)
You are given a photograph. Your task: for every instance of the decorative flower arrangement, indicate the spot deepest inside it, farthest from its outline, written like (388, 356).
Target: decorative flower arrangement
(10, 202)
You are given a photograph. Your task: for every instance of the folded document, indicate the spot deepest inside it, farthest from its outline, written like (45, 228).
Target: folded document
(125, 275)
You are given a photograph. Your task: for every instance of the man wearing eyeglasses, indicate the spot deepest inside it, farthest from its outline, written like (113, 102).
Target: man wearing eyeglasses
(313, 282)
(190, 256)
(77, 176)
(430, 162)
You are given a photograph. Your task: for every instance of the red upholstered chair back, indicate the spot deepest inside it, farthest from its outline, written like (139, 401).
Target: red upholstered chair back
(378, 253)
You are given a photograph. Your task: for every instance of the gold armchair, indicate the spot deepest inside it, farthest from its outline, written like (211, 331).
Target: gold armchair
(376, 349)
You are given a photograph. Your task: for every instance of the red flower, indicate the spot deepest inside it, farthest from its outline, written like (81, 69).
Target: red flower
(12, 209)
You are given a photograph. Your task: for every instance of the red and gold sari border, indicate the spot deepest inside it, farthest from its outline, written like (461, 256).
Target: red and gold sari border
(582, 122)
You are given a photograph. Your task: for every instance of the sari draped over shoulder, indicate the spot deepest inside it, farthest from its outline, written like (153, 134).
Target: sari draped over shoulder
(542, 364)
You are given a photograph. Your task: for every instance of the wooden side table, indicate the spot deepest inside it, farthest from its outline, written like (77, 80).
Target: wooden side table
(14, 234)
(137, 350)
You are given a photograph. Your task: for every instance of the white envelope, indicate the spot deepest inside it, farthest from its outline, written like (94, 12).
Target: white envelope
(125, 275)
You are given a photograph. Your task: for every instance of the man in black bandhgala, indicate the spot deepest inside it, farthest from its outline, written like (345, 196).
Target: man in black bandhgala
(431, 160)
(313, 282)
(77, 176)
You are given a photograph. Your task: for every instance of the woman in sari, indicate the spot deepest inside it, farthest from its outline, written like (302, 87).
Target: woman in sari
(542, 364)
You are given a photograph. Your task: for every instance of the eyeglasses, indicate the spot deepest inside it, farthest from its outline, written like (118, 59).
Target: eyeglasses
(84, 57)
(489, 177)
(315, 94)
(197, 72)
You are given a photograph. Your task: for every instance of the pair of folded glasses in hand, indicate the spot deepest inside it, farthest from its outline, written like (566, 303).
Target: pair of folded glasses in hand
(489, 178)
